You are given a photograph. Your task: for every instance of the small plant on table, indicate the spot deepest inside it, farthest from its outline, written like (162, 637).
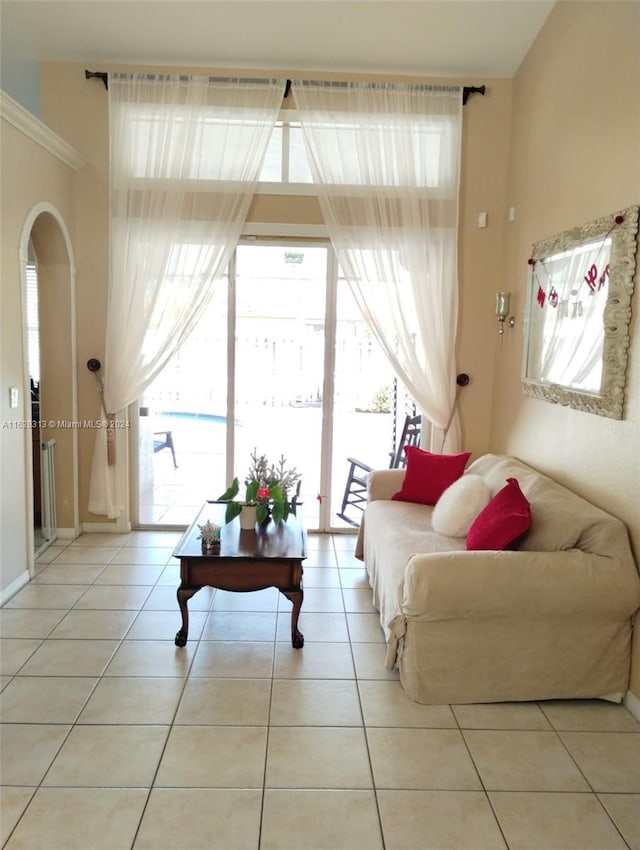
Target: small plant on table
(267, 486)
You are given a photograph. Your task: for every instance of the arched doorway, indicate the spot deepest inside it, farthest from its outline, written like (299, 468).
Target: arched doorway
(47, 263)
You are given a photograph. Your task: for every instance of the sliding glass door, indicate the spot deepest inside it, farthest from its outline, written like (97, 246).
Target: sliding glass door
(280, 334)
(282, 364)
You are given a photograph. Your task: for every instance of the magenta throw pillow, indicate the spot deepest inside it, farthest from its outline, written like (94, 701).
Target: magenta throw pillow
(504, 520)
(428, 475)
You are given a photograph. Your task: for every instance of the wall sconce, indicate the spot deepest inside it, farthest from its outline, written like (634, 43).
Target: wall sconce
(503, 301)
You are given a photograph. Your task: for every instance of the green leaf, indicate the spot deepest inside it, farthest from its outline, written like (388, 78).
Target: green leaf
(276, 493)
(252, 492)
(262, 511)
(277, 512)
(233, 510)
(231, 492)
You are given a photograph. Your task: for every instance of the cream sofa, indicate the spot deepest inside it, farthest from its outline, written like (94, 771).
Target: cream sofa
(552, 619)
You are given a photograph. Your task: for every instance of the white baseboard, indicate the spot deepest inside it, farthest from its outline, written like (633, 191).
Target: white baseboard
(68, 533)
(632, 703)
(105, 528)
(14, 587)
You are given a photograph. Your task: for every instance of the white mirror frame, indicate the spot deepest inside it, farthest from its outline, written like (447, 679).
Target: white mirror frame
(609, 401)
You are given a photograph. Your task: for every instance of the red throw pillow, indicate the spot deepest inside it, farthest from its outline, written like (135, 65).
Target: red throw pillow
(504, 520)
(428, 475)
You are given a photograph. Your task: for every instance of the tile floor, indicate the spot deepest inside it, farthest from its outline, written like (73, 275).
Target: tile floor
(114, 738)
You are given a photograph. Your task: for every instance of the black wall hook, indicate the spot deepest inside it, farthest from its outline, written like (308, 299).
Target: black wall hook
(94, 365)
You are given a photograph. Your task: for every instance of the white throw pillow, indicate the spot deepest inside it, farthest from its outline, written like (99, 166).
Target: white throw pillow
(459, 505)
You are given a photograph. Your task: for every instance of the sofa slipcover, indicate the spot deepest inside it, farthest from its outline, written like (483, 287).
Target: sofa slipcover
(550, 620)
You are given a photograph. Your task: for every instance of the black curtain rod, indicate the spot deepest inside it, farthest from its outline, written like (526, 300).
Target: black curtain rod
(104, 76)
(466, 91)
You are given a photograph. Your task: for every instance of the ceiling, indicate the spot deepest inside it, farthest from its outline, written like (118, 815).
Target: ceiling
(472, 39)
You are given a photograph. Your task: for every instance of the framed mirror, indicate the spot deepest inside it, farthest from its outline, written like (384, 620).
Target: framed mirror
(578, 313)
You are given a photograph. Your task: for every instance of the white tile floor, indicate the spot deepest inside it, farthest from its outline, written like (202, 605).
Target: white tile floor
(114, 738)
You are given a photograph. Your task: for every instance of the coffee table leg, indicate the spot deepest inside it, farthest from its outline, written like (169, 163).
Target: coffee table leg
(184, 593)
(296, 596)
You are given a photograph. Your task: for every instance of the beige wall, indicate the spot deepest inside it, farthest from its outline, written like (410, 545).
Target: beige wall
(30, 177)
(76, 109)
(574, 156)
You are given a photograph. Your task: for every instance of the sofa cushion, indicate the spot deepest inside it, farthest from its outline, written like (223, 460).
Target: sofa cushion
(459, 505)
(428, 475)
(503, 521)
(560, 519)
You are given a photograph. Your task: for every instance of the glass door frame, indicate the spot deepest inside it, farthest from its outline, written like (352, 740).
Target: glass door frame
(328, 392)
(326, 443)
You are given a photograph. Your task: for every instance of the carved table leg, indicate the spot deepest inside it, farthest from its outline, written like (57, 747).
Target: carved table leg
(184, 593)
(296, 597)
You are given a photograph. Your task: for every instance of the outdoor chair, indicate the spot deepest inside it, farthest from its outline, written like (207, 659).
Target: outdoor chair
(165, 442)
(355, 491)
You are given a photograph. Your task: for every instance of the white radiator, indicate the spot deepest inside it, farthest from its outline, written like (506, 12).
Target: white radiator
(48, 484)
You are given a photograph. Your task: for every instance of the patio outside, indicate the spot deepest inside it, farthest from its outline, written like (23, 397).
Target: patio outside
(173, 495)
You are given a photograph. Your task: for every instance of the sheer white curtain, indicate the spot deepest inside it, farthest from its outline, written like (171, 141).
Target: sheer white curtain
(185, 155)
(386, 160)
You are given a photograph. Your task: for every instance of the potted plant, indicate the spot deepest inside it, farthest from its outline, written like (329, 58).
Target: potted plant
(267, 488)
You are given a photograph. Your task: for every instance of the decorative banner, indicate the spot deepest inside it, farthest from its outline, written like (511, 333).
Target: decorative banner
(593, 278)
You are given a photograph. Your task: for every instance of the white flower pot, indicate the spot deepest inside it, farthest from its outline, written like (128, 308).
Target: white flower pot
(248, 517)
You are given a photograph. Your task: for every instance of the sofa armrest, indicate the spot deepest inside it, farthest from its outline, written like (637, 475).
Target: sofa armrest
(455, 585)
(383, 483)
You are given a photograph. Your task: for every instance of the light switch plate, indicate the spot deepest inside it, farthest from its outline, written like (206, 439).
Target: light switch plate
(13, 396)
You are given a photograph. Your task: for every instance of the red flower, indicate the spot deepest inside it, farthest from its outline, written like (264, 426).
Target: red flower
(263, 493)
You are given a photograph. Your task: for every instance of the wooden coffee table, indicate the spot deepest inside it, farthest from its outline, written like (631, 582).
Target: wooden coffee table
(269, 556)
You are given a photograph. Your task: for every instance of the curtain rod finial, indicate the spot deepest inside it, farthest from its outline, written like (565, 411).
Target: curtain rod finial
(467, 90)
(98, 75)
